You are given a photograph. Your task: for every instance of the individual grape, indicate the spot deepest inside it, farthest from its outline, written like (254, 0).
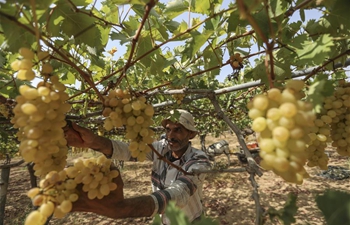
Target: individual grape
(47, 209)
(26, 53)
(25, 64)
(28, 108)
(35, 218)
(297, 85)
(260, 102)
(255, 113)
(281, 164)
(15, 65)
(287, 95)
(267, 145)
(280, 133)
(259, 124)
(274, 94)
(104, 189)
(273, 114)
(33, 192)
(66, 206)
(42, 55)
(288, 109)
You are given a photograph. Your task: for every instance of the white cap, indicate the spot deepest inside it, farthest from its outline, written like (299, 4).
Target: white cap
(185, 119)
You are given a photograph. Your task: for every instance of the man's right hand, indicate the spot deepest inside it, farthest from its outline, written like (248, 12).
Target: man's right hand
(81, 137)
(78, 136)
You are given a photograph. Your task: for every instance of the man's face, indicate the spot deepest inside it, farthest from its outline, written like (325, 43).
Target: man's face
(178, 136)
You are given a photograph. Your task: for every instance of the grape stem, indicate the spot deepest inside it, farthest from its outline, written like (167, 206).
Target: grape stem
(168, 162)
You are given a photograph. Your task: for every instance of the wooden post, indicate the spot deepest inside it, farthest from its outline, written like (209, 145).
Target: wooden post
(4, 182)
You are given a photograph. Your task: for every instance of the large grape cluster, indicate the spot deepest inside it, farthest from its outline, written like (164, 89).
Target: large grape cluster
(4, 110)
(338, 106)
(331, 126)
(283, 121)
(39, 116)
(179, 98)
(236, 60)
(58, 190)
(319, 136)
(123, 109)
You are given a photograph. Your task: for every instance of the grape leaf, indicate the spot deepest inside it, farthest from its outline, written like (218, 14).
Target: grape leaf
(315, 52)
(287, 213)
(335, 206)
(202, 6)
(175, 8)
(16, 37)
(319, 89)
(177, 216)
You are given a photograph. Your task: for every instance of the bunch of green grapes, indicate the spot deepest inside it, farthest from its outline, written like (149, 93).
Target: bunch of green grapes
(236, 61)
(4, 110)
(24, 66)
(319, 136)
(39, 115)
(179, 98)
(122, 109)
(282, 121)
(76, 150)
(338, 109)
(58, 190)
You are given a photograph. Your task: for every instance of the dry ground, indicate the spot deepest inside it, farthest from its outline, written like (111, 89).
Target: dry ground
(227, 195)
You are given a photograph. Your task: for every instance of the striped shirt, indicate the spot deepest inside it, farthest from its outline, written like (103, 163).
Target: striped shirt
(170, 184)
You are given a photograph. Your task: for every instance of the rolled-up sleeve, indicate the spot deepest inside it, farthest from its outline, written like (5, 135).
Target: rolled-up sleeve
(179, 191)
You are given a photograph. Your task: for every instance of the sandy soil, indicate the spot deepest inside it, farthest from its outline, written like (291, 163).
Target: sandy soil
(227, 195)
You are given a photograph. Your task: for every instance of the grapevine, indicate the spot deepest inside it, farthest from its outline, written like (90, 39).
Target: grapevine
(58, 190)
(39, 115)
(123, 109)
(282, 120)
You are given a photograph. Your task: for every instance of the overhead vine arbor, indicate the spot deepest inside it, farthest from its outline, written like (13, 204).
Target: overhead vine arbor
(169, 55)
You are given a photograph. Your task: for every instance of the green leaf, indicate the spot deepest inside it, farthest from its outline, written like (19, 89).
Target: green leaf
(175, 8)
(175, 214)
(39, 4)
(278, 8)
(80, 26)
(68, 78)
(81, 2)
(335, 206)
(320, 88)
(287, 213)
(315, 52)
(120, 36)
(339, 14)
(202, 6)
(144, 45)
(198, 40)
(131, 2)
(16, 36)
(111, 12)
(265, 24)
(212, 59)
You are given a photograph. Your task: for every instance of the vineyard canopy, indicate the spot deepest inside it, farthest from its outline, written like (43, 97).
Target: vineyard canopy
(163, 52)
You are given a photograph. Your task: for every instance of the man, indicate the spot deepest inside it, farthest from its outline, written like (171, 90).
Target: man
(168, 183)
